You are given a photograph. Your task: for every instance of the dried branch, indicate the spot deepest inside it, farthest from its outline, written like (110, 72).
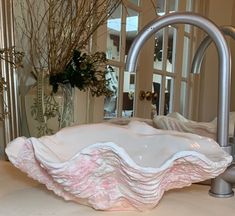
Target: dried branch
(14, 58)
(53, 29)
(11, 56)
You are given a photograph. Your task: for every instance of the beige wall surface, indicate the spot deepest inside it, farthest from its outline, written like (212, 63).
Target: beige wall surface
(232, 46)
(220, 12)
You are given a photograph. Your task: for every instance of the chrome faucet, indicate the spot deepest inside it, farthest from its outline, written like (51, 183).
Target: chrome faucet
(229, 174)
(200, 52)
(220, 187)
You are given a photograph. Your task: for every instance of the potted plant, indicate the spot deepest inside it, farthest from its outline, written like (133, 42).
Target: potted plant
(54, 35)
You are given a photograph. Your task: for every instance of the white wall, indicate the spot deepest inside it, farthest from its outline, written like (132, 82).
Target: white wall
(221, 13)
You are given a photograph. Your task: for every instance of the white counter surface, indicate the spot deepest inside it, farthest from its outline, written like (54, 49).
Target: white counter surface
(21, 196)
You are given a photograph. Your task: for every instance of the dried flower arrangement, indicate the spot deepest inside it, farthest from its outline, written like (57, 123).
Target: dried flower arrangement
(54, 34)
(14, 58)
(85, 72)
(54, 29)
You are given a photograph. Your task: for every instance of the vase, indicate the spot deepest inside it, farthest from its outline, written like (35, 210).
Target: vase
(47, 112)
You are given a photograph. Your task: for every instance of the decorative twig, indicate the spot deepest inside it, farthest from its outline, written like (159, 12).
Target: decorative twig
(14, 58)
(53, 29)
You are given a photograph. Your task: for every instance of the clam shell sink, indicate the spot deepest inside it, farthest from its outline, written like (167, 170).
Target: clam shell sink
(117, 167)
(175, 121)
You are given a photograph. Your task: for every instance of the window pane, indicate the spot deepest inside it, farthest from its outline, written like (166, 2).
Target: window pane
(114, 35)
(172, 5)
(135, 2)
(169, 87)
(158, 50)
(160, 7)
(128, 94)
(110, 103)
(183, 98)
(187, 28)
(189, 7)
(157, 81)
(132, 22)
(171, 43)
(186, 51)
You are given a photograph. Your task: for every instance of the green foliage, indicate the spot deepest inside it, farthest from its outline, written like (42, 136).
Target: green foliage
(51, 111)
(86, 72)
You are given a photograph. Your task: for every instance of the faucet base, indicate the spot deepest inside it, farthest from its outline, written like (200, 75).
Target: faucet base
(220, 188)
(231, 194)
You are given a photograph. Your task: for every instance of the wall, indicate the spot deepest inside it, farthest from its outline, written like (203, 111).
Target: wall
(221, 13)
(232, 46)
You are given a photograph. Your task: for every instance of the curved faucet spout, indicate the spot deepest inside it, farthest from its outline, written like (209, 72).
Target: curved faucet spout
(219, 187)
(200, 52)
(224, 56)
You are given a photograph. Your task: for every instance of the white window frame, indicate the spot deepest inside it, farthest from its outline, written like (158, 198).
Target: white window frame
(177, 61)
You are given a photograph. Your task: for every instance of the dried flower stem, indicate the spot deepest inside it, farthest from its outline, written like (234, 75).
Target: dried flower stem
(14, 58)
(54, 28)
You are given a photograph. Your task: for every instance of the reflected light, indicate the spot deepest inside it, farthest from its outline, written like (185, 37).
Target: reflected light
(131, 24)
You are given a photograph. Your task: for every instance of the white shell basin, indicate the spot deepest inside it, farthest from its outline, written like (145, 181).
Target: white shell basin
(117, 167)
(175, 121)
